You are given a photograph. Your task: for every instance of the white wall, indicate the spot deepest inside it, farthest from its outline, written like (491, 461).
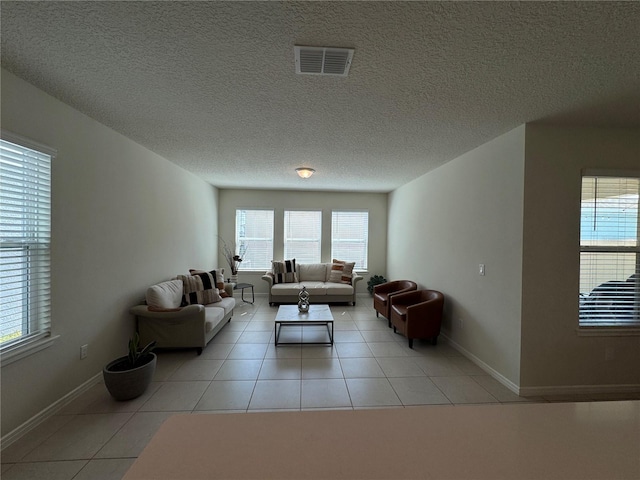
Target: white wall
(123, 218)
(553, 354)
(447, 222)
(376, 203)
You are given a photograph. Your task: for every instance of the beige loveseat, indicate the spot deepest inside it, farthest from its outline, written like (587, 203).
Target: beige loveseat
(163, 319)
(315, 277)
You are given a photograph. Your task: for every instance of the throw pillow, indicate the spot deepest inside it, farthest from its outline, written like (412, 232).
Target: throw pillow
(341, 271)
(194, 291)
(284, 272)
(214, 278)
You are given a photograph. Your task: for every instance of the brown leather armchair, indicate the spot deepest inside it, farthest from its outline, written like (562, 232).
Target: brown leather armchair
(383, 291)
(417, 314)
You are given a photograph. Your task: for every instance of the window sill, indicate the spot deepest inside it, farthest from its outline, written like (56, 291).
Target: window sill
(21, 351)
(608, 331)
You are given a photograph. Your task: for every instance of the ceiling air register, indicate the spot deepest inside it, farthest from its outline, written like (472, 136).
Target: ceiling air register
(323, 60)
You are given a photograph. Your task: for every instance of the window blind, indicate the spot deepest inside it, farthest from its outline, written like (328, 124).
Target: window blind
(609, 251)
(254, 237)
(350, 237)
(303, 235)
(25, 235)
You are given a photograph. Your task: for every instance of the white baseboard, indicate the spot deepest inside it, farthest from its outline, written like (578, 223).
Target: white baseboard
(51, 410)
(487, 368)
(547, 390)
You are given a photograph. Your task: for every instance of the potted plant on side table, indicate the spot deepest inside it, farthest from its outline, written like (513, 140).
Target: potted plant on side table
(128, 377)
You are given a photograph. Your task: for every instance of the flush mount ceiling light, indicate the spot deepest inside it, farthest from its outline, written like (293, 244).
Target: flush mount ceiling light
(323, 60)
(304, 172)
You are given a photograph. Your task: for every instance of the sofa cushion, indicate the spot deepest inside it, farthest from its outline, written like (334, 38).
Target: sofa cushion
(165, 294)
(341, 271)
(212, 279)
(284, 272)
(194, 291)
(290, 289)
(312, 272)
(338, 289)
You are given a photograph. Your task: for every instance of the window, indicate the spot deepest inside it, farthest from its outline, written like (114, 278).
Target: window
(609, 251)
(303, 235)
(254, 237)
(350, 237)
(25, 232)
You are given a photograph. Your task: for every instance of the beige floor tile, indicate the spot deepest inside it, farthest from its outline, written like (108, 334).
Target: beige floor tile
(379, 325)
(437, 366)
(227, 395)
(418, 391)
(226, 336)
(353, 350)
(80, 403)
(44, 470)
(281, 369)
(105, 469)
(107, 404)
(466, 366)
(372, 392)
(236, 326)
(25, 444)
(260, 326)
(283, 351)
(276, 394)
(321, 368)
(502, 393)
(80, 438)
(387, 349)
(348, 336)
(400, 367)
(201, 369)
(217, 351)
(463, 389)
(248, 351)
(168, 362)
(377, 336)
(175, 396)
(360, 368)
(255, 337)
(325, 393)
(345, 325)
(131, 439)
(239, 370)
(318, 351)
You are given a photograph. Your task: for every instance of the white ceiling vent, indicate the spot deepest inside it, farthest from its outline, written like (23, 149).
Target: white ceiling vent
(323, 60)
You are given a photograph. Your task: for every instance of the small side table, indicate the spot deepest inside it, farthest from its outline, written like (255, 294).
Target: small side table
(241, 287)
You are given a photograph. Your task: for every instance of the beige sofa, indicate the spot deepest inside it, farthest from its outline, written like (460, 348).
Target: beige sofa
(163, 319)
(315, 277)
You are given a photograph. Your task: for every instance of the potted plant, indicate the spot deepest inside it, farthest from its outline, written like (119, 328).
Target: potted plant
(373, 281)
(128, 377)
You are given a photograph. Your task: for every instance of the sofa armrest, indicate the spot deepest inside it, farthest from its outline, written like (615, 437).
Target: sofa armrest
(183, 313)
(268, 277)
(355, 278)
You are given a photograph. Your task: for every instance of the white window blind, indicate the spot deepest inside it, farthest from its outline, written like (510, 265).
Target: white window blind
(350, 237)
(25, 232)
(609, 251)
(303, 235)
(254, 237)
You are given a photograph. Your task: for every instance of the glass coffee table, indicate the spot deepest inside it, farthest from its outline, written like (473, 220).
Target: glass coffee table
(318, 315)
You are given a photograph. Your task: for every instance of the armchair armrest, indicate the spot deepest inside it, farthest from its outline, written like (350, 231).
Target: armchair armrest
(268, 277)
(405, 297)
(355, 278)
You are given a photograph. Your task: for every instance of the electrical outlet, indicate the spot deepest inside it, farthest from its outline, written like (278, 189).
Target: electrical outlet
(84, 351)
(481, 269)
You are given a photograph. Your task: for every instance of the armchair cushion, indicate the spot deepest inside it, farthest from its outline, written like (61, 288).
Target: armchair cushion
(284, 272)
(165, 294)
(341, 271)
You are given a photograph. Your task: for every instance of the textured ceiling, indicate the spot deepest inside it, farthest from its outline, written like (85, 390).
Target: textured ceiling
(211, 85)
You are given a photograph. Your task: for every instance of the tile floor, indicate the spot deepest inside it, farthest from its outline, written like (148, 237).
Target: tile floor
(241, 370)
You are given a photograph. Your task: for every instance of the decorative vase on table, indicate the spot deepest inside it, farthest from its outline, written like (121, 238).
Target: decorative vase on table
(234, 278)
(303, 300)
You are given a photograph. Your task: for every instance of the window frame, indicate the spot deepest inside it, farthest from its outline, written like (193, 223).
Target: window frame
(608, 326)
(239, 241)
(359, 267)
(36, 297)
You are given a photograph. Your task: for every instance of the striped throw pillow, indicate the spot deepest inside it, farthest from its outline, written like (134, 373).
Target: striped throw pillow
(284, 272)
(194, 291)
(341, 271)
(212, 279)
